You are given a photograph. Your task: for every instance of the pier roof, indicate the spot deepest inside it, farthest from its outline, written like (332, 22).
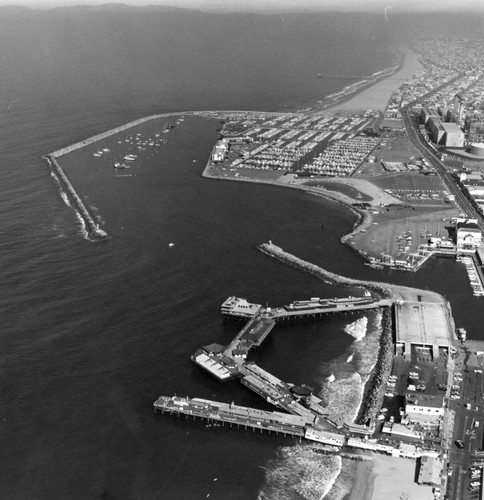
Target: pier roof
(423, 323)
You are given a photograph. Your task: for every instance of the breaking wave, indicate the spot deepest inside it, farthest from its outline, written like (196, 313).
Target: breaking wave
(300, 472)
(343, 396)
(357, 329)
(82, 226)
(62, 193)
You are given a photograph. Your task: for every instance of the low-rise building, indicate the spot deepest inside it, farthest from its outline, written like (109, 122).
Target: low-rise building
(424, 407)
(430, 471)
(468, 235)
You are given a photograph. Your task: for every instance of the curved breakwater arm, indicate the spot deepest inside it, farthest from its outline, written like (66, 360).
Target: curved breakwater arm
(126, 126)
(382, 290)
(94, 232)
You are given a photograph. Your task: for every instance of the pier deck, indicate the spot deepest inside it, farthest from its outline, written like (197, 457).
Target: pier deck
(343, 307)
(234, 414)
(280, 423)
(252, 335)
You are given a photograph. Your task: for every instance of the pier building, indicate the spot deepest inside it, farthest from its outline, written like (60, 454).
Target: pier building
(423, 324)
(218, 365)
(239, 308)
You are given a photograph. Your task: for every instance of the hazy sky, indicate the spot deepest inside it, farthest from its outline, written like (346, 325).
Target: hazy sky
(362, 5)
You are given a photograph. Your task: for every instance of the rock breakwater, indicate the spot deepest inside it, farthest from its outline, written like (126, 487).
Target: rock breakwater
(93, 231)
(379, 290)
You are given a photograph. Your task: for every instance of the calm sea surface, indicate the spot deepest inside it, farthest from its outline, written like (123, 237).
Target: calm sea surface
(93, 333)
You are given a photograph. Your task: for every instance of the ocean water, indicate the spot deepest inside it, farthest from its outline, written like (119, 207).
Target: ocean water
(93, 333)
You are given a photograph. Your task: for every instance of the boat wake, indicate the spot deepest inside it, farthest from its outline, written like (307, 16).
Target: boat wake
(300, 472)
(357, 329)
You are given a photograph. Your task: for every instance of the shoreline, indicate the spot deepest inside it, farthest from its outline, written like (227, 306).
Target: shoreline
(363, 220)
(369, 96)
(347, 94)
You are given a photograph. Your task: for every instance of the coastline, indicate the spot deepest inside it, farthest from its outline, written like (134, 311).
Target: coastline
(372, 479)
(377, 93)
(345, 101)
(364, 218)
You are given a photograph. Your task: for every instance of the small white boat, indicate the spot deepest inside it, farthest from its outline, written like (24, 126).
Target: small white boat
(121, 165)
(171, 244)
(331, 378)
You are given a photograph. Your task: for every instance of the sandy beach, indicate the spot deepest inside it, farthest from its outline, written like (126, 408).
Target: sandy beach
(385, 477)
(376, 96)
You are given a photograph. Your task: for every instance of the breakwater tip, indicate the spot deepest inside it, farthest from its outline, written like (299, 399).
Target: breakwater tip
(100, 233)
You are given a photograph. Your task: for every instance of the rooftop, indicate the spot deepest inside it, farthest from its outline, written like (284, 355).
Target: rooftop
(451, 127)
(426, 400)
(423, 323)
(468, 226)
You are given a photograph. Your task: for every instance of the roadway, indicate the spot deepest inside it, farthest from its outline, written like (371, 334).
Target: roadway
(428, 153)
(468, 426)
(461, 200)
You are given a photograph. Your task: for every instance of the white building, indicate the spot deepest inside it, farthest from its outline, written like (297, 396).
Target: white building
(468, 235)
(424, 407)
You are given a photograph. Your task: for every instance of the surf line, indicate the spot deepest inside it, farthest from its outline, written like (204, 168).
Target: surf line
(94, 232)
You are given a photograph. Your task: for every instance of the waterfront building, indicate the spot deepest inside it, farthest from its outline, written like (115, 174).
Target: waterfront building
(219, 151)
(468, 235)
(423, 325)
(239, 308)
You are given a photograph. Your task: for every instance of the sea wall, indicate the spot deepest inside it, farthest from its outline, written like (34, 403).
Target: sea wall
(93, 229)
(375, 386)
(104, 135)
(381, 290)
(126, 126)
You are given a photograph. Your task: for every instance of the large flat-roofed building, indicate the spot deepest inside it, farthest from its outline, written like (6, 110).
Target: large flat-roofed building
(427, 113)
(453, 135)
(423, 324)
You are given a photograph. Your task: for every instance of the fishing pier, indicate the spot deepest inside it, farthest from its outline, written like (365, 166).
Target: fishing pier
(304, 416)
